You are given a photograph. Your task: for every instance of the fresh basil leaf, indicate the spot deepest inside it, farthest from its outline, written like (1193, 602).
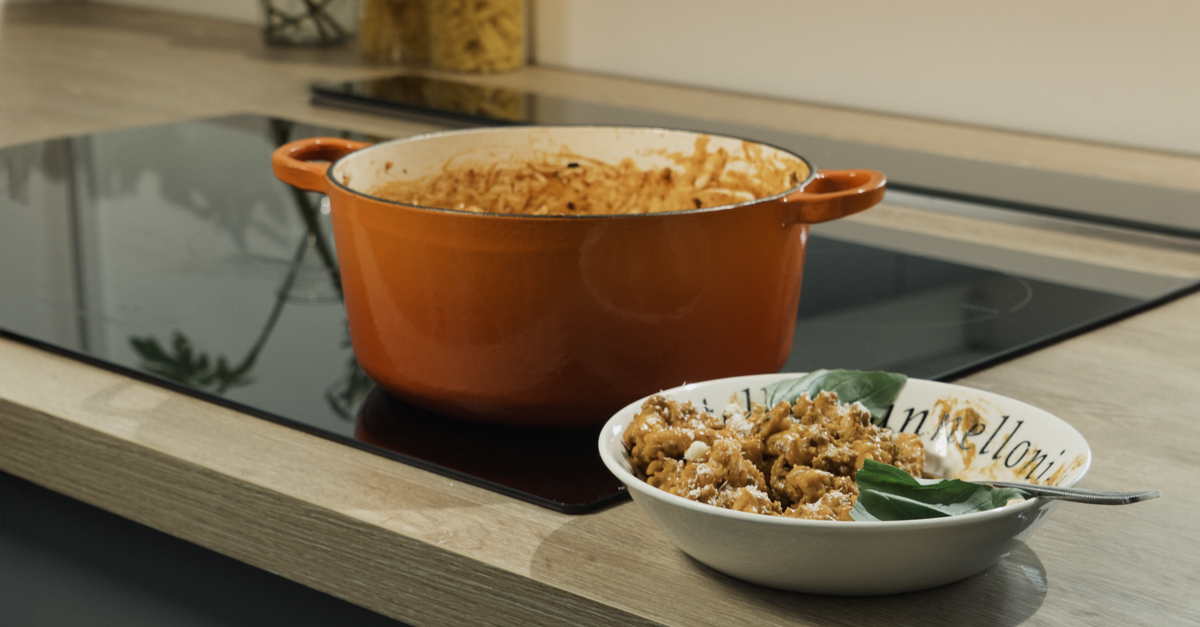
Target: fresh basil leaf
(876, 390)
(889, 493)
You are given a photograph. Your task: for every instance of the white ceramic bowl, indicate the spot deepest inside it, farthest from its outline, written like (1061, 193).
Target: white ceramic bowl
(1017, 442)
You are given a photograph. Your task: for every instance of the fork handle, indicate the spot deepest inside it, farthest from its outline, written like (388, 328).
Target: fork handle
(1079, 495)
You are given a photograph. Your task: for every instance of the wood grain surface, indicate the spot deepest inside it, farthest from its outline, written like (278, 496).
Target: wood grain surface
(429, 551)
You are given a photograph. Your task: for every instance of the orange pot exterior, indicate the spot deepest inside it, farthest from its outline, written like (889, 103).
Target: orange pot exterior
(564, 320)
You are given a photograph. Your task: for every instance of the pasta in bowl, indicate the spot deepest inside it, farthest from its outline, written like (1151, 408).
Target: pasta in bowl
(966, 434)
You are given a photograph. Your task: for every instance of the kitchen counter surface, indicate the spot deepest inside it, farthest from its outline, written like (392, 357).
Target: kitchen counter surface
(429, 551)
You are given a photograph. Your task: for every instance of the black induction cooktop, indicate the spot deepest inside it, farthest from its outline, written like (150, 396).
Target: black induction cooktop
(171, 253)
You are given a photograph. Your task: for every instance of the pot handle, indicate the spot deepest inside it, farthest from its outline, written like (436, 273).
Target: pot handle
(304, 162)
(835, 194)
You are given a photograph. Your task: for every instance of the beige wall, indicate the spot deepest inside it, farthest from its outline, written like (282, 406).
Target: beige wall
(1105, 70)
(1113, 71)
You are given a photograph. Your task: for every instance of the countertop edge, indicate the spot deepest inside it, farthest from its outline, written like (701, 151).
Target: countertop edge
(397, 575)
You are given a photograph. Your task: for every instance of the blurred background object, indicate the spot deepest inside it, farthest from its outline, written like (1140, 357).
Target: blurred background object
(981, 64)
(395, 31)
(309, 22)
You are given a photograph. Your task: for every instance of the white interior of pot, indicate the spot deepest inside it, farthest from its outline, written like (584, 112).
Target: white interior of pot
(416, 157)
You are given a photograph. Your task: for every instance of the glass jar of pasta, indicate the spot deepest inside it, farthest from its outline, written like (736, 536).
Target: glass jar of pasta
(395, 30)
(477, 35)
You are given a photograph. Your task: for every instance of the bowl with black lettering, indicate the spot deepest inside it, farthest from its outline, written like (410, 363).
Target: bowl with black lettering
(966, 434)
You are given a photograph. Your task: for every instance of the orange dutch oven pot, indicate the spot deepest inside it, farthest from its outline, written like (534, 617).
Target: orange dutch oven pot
(560, 320)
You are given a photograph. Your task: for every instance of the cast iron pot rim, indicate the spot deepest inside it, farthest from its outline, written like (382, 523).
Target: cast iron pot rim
(812, 174)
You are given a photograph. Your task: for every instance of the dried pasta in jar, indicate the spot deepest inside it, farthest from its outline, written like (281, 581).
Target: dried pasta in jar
(395, 30)
(477, 35)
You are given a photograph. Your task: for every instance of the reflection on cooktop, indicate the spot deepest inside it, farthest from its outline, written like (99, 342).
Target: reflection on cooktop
(868, 308)
(555, 467)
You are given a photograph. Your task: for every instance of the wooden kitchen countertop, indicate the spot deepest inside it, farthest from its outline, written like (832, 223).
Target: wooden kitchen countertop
(429, 551)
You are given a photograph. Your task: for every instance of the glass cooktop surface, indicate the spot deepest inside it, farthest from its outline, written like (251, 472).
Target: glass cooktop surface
(173, 254)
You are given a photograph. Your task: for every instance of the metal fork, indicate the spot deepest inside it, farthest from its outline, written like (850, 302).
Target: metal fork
(1079, 495)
